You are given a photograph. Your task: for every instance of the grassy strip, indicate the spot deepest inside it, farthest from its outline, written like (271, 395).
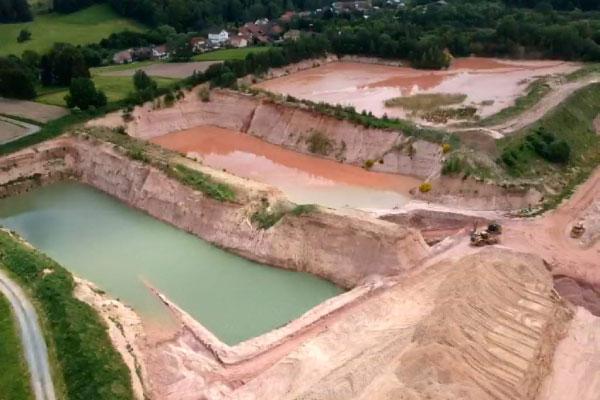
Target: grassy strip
(426, 101)
(116, 88)
(583, 72)
(572, 122)
(202, 182)
(536, 90)
(229, 54)
(265, 218)
(22, 119)
(14, 376)
(161, 158)
(90, 366)
(367, 120)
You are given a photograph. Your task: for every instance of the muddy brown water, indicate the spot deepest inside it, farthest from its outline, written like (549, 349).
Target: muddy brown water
(305, 179)
(493, 82)
(121, 249)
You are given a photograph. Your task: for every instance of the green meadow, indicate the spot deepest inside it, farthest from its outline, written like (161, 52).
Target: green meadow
(82, 27)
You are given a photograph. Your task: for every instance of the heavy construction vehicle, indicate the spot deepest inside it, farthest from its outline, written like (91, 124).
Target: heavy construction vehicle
(486, 237)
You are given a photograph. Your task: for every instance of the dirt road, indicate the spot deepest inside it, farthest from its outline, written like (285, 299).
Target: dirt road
(558, 94)
(36, 352)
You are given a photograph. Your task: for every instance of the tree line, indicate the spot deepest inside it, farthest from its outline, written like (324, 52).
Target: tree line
(485, 28)
(15, 11)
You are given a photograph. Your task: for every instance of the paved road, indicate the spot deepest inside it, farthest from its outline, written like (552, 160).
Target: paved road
(36, 353)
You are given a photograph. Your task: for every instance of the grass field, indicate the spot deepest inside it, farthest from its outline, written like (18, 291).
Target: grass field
(82, 27)
(115, 87)
(14, 377)
(229, 54)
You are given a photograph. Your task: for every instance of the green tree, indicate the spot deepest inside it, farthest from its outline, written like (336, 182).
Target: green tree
(83, 94)
(141, 81)
(24, 35)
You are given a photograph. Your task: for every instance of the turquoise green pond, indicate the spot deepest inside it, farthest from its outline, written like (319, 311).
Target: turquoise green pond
(121, 249)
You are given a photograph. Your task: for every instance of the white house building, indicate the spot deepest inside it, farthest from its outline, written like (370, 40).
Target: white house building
(218, 39)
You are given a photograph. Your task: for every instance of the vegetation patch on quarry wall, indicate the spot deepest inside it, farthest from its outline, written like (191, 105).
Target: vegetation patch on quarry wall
(87, 362)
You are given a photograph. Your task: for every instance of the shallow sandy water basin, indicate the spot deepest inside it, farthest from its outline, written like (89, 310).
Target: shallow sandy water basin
(496, 83)
(305, 179)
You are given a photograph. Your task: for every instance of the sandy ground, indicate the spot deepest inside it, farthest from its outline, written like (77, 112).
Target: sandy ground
(31, 110)
(11, 129)
(560, 91)
(167, 70)
(368, 86)
(305, 179)
(124, 328)
(576, 365)
(549, 237)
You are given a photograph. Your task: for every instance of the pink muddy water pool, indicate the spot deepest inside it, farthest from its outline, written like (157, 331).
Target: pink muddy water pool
(303, 178)
(493, 82)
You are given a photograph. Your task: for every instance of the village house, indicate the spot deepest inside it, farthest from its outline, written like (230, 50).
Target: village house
(123, 57)
(218, 39)
(160, 52)
(198, 44)
(238, 41)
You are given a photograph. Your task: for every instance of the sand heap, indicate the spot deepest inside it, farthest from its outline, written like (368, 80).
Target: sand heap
(483, 327)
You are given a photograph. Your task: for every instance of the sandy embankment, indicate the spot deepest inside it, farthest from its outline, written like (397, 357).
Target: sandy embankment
(124, 328)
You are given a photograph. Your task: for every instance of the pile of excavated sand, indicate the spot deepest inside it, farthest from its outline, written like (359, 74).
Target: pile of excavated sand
(483, 327)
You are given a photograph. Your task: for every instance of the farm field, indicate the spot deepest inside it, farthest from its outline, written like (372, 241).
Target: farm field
(115, 87)
(229, 54)
(82, 27)
(159, 70)
(30, 110)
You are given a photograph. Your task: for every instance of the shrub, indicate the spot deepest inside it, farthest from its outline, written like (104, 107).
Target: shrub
(84, 95)
(204, 94)
(303, 209)
(369, 164)
(425, 187)
(318, 143)
(446, 148)
(265, 218)
(202, 182)
(169, 99)
(24, 36)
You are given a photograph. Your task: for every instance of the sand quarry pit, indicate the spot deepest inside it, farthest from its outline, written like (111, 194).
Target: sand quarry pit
(458, 323)
(489, 84)
(304, 178)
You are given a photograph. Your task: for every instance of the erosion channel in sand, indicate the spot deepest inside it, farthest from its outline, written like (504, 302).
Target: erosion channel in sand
(121, 250)
(305, 179)
(490, 85)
